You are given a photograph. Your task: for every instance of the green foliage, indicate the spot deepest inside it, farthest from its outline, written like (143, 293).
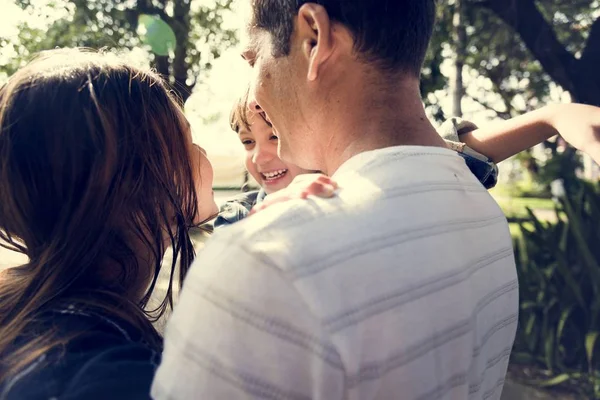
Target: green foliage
(571, 20)
(517, 81)
(561, 165)
(497, 53)
(559, 279)
(186, 36)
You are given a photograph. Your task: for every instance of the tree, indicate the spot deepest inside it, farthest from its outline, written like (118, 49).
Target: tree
(522, 49)
(564, 37)
(460, 52)
(114, 23)
(540, 44)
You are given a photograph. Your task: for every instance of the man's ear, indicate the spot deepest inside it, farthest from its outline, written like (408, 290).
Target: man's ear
(315, 31)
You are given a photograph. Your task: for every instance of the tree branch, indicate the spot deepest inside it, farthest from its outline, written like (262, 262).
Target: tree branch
(181, 27)
(484, 104)
(146, 7)
(161, 63)
(591, 53)
(539, 37)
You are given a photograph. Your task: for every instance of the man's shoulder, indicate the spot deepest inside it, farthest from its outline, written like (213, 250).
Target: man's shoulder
(395, 188)
(279, 232)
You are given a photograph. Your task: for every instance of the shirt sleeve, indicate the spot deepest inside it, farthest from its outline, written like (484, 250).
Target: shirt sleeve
(242, 331)
(452, 128)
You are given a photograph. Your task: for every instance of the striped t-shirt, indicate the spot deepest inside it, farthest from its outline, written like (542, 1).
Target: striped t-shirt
(403, 286)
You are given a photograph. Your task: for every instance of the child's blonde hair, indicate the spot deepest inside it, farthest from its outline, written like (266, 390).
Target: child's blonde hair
(238, 117)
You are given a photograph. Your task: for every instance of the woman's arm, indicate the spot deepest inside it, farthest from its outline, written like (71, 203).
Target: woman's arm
(578, 124)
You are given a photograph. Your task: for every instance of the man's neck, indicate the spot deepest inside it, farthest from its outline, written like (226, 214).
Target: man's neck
(381, 121)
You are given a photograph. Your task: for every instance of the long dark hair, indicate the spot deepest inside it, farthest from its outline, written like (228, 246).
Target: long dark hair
(96, 180)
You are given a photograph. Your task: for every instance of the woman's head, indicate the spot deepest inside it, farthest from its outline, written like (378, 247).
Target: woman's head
(260, 142)
(98, 174)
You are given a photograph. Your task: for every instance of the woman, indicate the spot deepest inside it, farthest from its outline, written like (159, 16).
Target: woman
(98, 175)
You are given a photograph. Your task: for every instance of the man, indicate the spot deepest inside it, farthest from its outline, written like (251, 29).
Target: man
(403, 286)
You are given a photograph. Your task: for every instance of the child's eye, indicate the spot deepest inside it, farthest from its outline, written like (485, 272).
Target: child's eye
(248, 144)
(273, 137)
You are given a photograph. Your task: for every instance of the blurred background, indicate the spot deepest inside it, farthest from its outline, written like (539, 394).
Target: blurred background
(489, 60)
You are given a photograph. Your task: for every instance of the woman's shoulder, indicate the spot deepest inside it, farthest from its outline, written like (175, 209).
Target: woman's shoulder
(105, 360)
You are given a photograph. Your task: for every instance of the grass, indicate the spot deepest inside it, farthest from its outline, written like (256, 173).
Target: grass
(517, 206)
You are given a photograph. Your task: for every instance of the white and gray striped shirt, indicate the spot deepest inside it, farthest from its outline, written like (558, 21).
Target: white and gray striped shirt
(403, 286)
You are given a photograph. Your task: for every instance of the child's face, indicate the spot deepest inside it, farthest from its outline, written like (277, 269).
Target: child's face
(262, 160)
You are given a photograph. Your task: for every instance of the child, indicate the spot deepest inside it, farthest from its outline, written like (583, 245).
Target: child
(261, 160)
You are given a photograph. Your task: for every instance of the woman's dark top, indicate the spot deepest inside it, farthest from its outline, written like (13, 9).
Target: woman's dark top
(109, 360)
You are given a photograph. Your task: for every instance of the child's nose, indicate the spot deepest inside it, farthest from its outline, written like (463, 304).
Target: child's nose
(262, 155)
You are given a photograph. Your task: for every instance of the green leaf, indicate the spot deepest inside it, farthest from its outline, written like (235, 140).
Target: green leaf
(536, 222)
(549, 350)
(564, 237)
(557, 380)
(564, 316)
(531, 333)
(583, 246)
(530, 325)
(590, 345)
(527, 305)
(157, 34)
(567, 275)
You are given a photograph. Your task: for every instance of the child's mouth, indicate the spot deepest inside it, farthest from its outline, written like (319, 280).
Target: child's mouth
(273, 176)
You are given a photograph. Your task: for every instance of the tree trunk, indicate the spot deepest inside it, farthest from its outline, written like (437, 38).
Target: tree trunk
(161, 63)
(460, 50)
(577, 76)
(181, 27)
(173, 68)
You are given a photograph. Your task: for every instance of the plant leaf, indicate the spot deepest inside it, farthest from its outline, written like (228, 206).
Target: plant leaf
(567, 275)
(557, 380)
(590, 345)
(527, 305)
(564, 316)
(584, 250)
(549, 350)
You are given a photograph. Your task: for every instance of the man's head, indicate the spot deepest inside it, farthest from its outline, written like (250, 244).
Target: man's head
(311, 57)
(262, 161)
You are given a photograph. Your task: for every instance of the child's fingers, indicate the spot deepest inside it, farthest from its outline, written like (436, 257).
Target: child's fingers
(321, 189)
(326, 180)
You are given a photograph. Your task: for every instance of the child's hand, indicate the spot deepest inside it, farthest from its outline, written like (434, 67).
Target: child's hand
(301, 187)
(579, 125)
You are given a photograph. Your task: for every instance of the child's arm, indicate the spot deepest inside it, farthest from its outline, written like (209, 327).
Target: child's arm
(578, 124)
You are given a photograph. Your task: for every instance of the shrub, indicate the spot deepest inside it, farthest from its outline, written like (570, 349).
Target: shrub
(559, 278)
